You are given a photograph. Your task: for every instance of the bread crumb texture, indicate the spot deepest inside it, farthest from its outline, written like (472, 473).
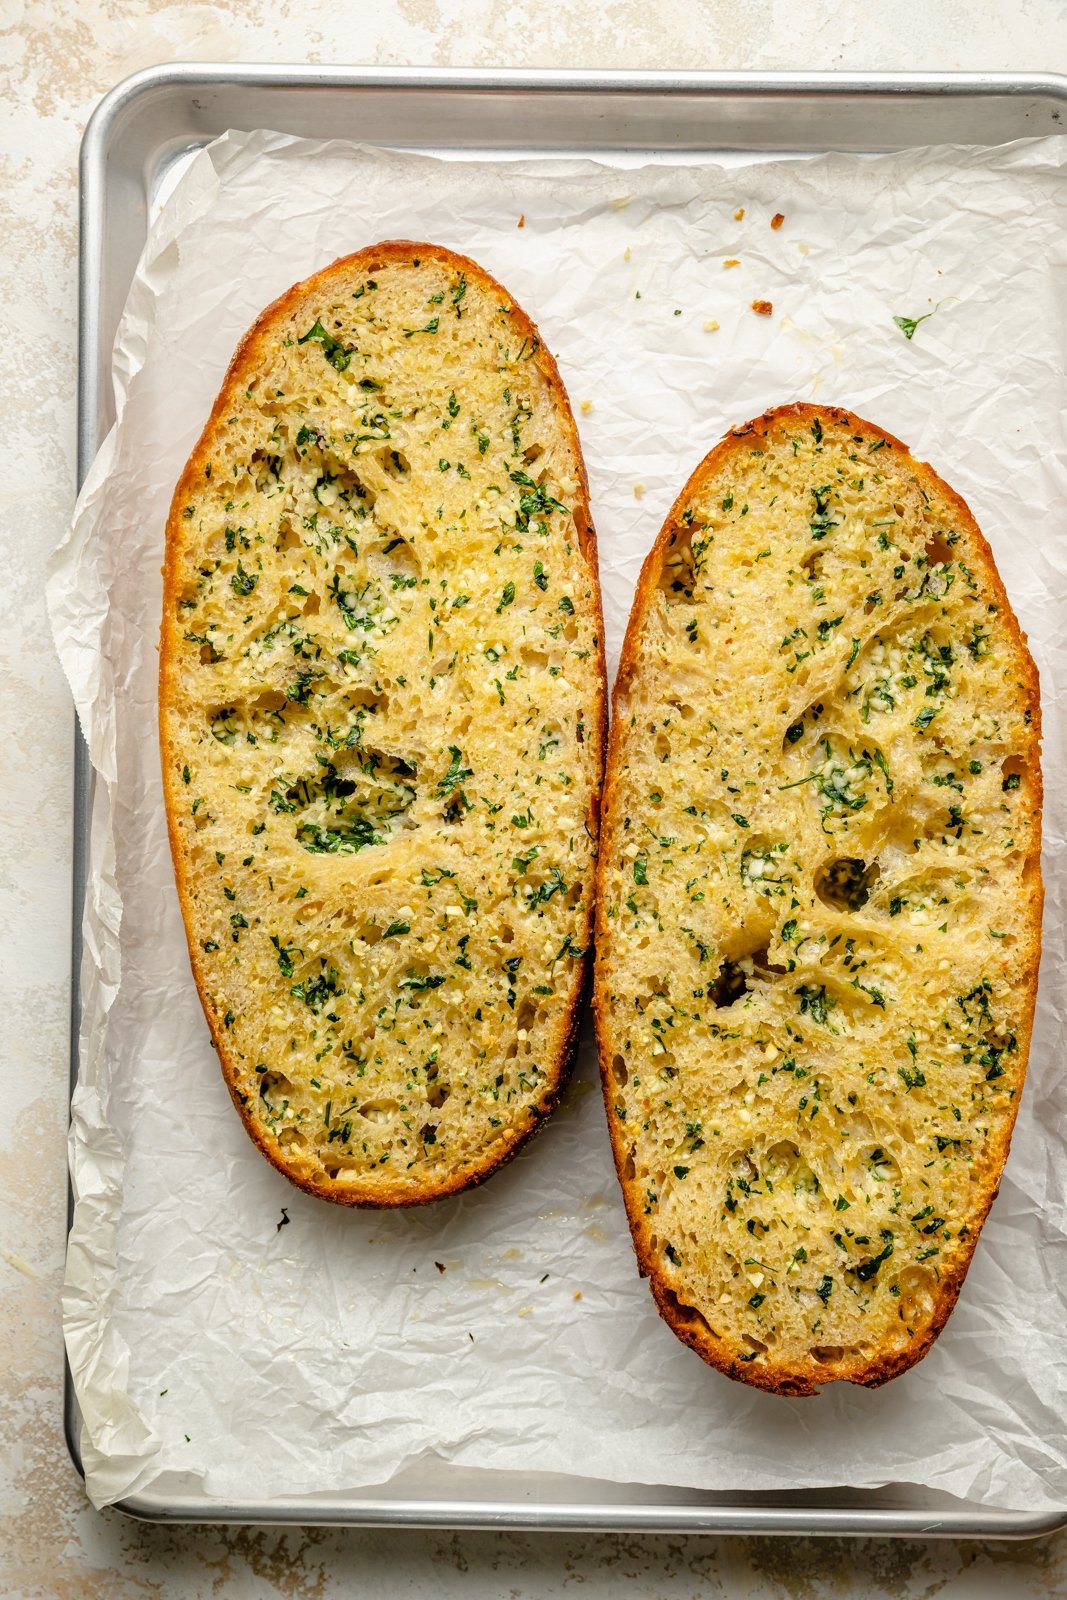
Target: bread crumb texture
(820, 902)
(382, 723)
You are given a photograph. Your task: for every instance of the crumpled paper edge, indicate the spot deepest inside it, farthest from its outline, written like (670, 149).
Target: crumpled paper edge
(116, 1445)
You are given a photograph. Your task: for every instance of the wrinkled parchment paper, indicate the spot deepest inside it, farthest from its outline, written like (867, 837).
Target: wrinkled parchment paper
(508, 1328)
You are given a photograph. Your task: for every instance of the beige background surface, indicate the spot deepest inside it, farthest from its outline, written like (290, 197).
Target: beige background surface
(57, 60)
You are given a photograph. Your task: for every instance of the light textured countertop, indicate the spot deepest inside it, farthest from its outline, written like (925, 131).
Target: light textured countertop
(58, 60)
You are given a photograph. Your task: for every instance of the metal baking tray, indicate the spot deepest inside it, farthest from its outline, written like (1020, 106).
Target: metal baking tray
(134, 146)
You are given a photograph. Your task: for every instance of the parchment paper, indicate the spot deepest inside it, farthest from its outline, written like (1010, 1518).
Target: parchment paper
(508, 1329)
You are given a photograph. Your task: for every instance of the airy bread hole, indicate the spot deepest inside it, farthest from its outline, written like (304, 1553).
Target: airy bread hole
(938, 551)
(378, 1110)
(310, 606)
(620, 1071)
(762, 965)
(394, 463)
(917, 1295)
(208, 654)
(662, 747)
(269, 700)
(533, 660)
(288, 537)
(437, 1092)
(526, 1014)
(274, 1086)
(348, 487)
(265, 467)
(689, 1316)
(754, 1344)
(397, 556)
(812, 566)
(369, 699)
(292, 1139)
(1012, 773)
(225, 724)
(880, 1166)
(788, 1168)
(827, 1355)
(731, 985)
(629, 1169)
(795, 730)
(532, 453)
(845, 884)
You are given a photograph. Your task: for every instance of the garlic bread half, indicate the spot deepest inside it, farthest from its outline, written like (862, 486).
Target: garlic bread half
(819, 913)
(382, 716)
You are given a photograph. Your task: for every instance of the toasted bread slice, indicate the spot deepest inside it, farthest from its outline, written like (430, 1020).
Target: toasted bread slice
(382, 719)
(819, 902)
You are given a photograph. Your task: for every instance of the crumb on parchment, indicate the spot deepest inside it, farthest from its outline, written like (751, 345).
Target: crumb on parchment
(777, 220)
(762, 308)
(587, 405)
(711, 326)
(739, 214)
(731, 261)
(639, 490)
(522, 221)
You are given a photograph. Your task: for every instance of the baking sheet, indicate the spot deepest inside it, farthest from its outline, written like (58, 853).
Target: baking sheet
(322, 1355)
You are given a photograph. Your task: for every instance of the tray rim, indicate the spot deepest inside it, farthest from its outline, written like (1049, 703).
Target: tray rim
(747, 1517)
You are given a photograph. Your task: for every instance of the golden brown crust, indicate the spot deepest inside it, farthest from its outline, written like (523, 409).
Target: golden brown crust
(244, 364)
(685, 1321)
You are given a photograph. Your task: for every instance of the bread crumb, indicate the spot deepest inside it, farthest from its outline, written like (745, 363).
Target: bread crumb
(577, 1294)
(440, 1266)
(731, 261)
(587, 405)
(639, 490)
(803, 248)
(626, 253)
(777, 220)
(711, 326)
(739, 214)
(522, 221)
(762, 308)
